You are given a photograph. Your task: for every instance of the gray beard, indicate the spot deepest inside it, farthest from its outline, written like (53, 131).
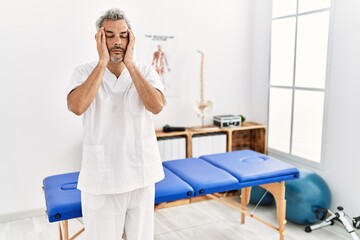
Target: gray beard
(116, 59)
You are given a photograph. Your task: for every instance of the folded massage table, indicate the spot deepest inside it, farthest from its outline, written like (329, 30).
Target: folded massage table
(211, 176)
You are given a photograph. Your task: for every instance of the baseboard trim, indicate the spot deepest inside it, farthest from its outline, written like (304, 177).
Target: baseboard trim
(22, 215)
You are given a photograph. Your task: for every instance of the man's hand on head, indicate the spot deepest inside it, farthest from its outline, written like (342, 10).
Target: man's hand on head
(103, 52)
(128, 59)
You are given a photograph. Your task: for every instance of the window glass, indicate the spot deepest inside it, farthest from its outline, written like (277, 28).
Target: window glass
(283, 8)
(307, 128)
(282, 52)
(280, 119)
(311, 52)
(311, 5)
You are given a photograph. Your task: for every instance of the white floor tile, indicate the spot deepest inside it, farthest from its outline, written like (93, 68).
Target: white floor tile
(207, 220)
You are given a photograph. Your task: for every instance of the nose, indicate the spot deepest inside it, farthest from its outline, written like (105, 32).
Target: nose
(117, 41)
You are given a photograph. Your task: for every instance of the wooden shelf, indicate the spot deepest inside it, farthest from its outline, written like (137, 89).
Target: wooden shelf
(249, 135)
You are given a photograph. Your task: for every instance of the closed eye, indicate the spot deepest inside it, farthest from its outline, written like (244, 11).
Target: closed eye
(123, 35)
(109, 34)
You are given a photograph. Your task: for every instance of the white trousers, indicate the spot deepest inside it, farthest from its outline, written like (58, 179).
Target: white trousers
(106, 216)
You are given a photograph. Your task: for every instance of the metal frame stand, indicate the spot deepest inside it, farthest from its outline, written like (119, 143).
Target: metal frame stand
(338, 216)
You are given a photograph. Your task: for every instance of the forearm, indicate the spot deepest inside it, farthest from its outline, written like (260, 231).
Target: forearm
(152, 98)
(81, 97)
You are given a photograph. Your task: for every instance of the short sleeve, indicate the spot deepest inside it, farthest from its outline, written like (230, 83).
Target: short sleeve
(78, 77)
(153, 77)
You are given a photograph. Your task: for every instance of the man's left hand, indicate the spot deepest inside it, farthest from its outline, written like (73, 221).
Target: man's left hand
(128, 59)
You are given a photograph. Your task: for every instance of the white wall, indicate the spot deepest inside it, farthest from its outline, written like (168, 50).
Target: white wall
(41, 43)
(343, 131)
(342, 163)
(260, 56)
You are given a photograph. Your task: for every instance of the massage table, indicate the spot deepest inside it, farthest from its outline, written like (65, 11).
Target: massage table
(210, 176)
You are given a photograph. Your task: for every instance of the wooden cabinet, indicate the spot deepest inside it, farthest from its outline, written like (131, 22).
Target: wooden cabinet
(249, 136)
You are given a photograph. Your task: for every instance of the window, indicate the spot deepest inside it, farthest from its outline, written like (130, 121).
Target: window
(297, 84)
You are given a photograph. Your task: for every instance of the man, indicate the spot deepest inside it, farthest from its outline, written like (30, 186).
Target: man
(121, 160)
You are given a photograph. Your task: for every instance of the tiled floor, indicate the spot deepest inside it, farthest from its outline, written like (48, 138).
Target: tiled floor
(207, 220)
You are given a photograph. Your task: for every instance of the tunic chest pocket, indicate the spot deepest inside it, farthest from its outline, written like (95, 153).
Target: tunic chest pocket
(94, 158)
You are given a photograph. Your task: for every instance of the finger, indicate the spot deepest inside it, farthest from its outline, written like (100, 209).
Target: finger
(97, 35)
(131, 35)
(103, 36)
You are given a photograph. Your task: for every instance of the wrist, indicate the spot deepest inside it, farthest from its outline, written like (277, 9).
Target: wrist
(102, 63)
(130, 65)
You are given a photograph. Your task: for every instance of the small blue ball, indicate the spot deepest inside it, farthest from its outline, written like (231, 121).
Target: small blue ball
(257, 193)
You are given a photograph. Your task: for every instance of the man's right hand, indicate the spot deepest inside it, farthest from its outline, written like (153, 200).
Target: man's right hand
(80, 98)
(101, 46)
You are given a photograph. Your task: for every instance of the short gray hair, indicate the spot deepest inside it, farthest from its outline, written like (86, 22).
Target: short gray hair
(112, 14)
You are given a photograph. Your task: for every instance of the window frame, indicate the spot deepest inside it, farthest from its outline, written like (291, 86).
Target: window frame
(289, 157)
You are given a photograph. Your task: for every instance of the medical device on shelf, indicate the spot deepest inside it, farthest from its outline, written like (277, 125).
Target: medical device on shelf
(340, 216)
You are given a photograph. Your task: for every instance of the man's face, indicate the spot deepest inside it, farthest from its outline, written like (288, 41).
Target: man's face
(117, 38)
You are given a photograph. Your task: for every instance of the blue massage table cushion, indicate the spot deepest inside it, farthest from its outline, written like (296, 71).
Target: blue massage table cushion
(172, 188)
(63, 199)
(252, 168)
(204, 177)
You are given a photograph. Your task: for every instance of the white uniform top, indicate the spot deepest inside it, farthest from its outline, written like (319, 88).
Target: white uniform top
(120, 151)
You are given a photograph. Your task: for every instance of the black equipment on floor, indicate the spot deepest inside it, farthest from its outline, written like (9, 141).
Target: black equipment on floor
(340, 216)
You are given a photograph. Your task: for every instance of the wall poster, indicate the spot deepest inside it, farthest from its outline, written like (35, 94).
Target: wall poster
(160, 51)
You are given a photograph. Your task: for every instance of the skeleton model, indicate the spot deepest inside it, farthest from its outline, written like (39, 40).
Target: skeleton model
(202, 107)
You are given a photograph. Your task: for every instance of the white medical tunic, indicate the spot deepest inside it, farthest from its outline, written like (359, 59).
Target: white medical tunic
(120, 151)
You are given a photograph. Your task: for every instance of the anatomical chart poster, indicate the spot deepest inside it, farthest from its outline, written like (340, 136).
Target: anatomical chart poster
(159, 50)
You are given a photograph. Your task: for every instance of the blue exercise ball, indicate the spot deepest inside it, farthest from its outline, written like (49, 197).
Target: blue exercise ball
(257, 193)
(304, 195)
